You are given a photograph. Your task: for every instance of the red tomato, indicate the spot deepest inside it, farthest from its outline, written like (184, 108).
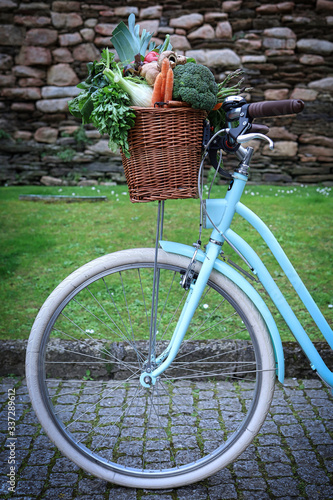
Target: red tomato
(151, 56)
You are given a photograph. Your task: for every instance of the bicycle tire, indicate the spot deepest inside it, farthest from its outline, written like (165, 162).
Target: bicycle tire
(89, 414)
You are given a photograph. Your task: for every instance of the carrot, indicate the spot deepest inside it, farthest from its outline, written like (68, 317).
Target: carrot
(164, 71)
(217, 106)
(165, 67)
(168, 86)
(178, 104)
(157, 92)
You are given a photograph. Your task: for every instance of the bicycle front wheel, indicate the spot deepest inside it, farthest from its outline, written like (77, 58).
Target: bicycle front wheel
(89, 346)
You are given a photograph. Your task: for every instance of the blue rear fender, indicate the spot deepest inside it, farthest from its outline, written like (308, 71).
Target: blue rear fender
(247, 288)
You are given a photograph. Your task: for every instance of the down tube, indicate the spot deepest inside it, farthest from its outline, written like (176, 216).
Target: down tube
(282, 305)
(288, 269)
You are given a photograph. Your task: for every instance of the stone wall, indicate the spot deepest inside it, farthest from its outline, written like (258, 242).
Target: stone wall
(285, 49)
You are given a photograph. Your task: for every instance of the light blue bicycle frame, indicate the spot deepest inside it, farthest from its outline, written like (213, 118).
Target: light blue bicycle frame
(221, 212)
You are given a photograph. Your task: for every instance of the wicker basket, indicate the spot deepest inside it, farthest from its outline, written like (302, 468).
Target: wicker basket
(165, 146)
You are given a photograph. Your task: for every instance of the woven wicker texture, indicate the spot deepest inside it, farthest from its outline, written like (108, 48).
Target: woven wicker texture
(165, 147)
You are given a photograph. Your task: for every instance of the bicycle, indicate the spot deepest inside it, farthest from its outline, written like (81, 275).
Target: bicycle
(133, 320)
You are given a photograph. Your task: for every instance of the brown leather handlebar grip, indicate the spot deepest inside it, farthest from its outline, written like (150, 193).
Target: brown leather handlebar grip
(275, 108)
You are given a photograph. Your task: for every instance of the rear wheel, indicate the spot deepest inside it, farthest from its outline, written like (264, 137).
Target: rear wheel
(89, 346)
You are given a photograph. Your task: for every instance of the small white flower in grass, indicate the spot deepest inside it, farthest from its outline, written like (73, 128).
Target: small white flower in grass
(73, 194)
(93, 188)
(59, 190)
(112, 192)
(205, 306)
(330, 306)
(90, 331)
(124, 193)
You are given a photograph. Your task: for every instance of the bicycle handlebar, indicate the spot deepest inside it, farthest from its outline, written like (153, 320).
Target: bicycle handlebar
(275, 108)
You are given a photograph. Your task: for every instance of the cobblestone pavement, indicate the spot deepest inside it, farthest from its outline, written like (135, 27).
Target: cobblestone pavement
(292, 457)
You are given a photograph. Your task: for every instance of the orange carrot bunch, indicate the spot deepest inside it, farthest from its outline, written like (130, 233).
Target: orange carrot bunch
(163, 86)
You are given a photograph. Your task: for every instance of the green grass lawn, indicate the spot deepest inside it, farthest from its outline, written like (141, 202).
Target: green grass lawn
(41, 243)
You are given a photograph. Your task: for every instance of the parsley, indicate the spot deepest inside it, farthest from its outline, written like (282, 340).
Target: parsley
(104, 104)
(112, 115)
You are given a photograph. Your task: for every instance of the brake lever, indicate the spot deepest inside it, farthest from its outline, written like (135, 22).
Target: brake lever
(248, 137)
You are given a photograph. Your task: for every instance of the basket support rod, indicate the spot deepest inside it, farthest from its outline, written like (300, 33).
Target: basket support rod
(156, 279)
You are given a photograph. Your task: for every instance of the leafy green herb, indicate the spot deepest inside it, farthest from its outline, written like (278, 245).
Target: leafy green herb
(104, 103)
(112, 115)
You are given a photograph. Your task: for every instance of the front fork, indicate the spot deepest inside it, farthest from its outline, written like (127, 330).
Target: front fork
(149, 378)
(150, 375)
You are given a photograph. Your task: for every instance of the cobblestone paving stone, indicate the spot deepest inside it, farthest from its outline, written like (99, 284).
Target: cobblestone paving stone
(292, 457)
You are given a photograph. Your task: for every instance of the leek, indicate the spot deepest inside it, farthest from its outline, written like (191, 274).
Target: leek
(139, 93)
(128, 42)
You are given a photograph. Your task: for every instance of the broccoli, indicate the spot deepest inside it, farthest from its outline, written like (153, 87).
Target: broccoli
(195, 84)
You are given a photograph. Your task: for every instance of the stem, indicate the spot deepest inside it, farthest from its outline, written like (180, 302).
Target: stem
(107, 58)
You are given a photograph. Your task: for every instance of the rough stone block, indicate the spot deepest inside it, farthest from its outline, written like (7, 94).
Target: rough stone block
(86, 52)
(225, 58)
(88, 34)
(61, 75)
(11, 35)
(52, 92)
(279, 33)
(324, 6)
(32, 21)
(126, 11)
(33, 55)
(7, 80)
(311, 60)
(282, 149)
(28, 71)
(62, 55)
(66, 21)
(27, 107)
(205, 32)
(180, 42)
(276, 94)
(26, 94)
(153, 12)
(105, 29)
(215, 17)
(187, 22)
(231, 6)
(316, 151)
(48, 180)
(7, 5)
(30, 82)
(53, 105)
(70, 39)
(224, 30)
(62, 6)
(281, 133)
(150, 25)
(6, 61)
(315, 46)
(48, 135)
(323, 84)
(304, 94)
(41, 36)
